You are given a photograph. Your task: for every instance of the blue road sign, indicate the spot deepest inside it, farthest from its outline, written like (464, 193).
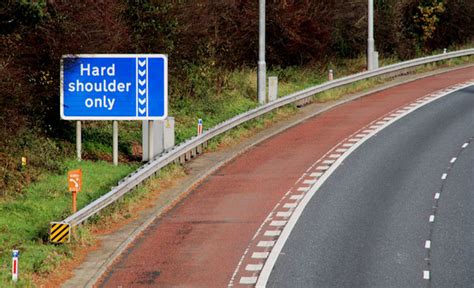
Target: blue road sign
(114, 87)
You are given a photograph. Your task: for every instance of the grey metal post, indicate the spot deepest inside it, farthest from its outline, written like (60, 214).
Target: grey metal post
(151, 143)
(370, 40)
(115, 142)
(78, 140)
(262, 66)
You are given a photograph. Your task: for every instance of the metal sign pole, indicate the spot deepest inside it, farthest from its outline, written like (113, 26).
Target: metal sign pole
(78, 140)
(151, 137)
(370, 40)
(262, 66)
(115, 142)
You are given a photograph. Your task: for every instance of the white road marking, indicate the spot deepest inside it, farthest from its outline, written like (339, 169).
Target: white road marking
(284, 214)
(248, 280)
(328, 161)
(444, 176)
(347, 145)
(374, 127)
(266, 244)
(310, 181)
(431, 218)
(334, 155)
(453, 160)
(437, 196)
(316, 174)
(428, 244)
(303, 189)
(296, 197)
(277, 223)
(368, 131)
(465, 145)
(353, 139)
(388, 118)
(260, 255)
(290, 205)
(272, 233)
(426, 275)
(361, 135)
(341, 150)
(325, 167)
(254, 267)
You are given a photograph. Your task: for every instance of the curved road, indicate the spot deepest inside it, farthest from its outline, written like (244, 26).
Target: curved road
(222, 233)
(368, 224)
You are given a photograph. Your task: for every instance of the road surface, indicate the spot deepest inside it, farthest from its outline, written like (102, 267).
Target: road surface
(368, 224)
(222, 233)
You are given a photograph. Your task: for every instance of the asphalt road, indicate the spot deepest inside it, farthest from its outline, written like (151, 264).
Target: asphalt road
(368, 224)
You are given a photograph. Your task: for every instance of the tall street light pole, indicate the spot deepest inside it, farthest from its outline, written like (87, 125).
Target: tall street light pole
(370, 40)
(262, 66)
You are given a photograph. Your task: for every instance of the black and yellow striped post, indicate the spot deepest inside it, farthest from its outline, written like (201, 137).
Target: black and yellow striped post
(59, 232)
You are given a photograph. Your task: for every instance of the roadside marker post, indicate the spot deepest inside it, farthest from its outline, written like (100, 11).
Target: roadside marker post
(75, 185)
(199, 127)
(331, 75)
(59, 232)
(15, 255)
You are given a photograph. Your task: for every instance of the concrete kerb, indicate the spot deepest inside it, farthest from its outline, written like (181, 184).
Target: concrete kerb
(99, 266)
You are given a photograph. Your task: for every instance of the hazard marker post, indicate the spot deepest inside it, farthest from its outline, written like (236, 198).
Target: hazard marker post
(199, 127)
(75, 185)
(15, 255)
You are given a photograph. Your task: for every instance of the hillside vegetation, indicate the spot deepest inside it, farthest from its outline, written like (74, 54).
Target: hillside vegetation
(208, 43)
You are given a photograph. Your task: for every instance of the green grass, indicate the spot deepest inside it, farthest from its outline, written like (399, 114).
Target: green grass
(25, 220)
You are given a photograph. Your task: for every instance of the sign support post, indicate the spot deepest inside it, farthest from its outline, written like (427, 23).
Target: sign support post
(115, 142)
(78, 140)
(151, 143)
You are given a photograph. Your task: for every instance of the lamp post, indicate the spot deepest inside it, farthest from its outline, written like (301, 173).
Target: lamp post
(261, 81)
(370, 40)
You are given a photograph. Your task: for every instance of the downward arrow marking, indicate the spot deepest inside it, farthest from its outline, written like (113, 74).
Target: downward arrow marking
(142, 101)
(142, 111)
(141, 72)
(141, 63)
(141, 91)
(142, 82)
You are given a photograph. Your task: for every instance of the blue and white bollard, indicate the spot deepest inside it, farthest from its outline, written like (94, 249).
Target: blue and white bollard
(15, 255)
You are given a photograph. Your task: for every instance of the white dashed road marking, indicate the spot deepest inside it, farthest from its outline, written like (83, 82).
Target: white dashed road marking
(428, 244)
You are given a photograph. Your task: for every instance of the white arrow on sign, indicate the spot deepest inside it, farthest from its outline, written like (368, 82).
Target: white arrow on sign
(75, 183)
(142, 101)
(142, 82)
(142, 111)
(141, 91)
(141, 72)
(141, 63)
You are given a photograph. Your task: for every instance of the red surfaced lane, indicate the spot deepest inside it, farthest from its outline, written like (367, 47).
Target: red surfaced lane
(200, 242)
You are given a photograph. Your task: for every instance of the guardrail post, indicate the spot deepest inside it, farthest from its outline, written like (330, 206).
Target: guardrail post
(331, 75)
(151, 142)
